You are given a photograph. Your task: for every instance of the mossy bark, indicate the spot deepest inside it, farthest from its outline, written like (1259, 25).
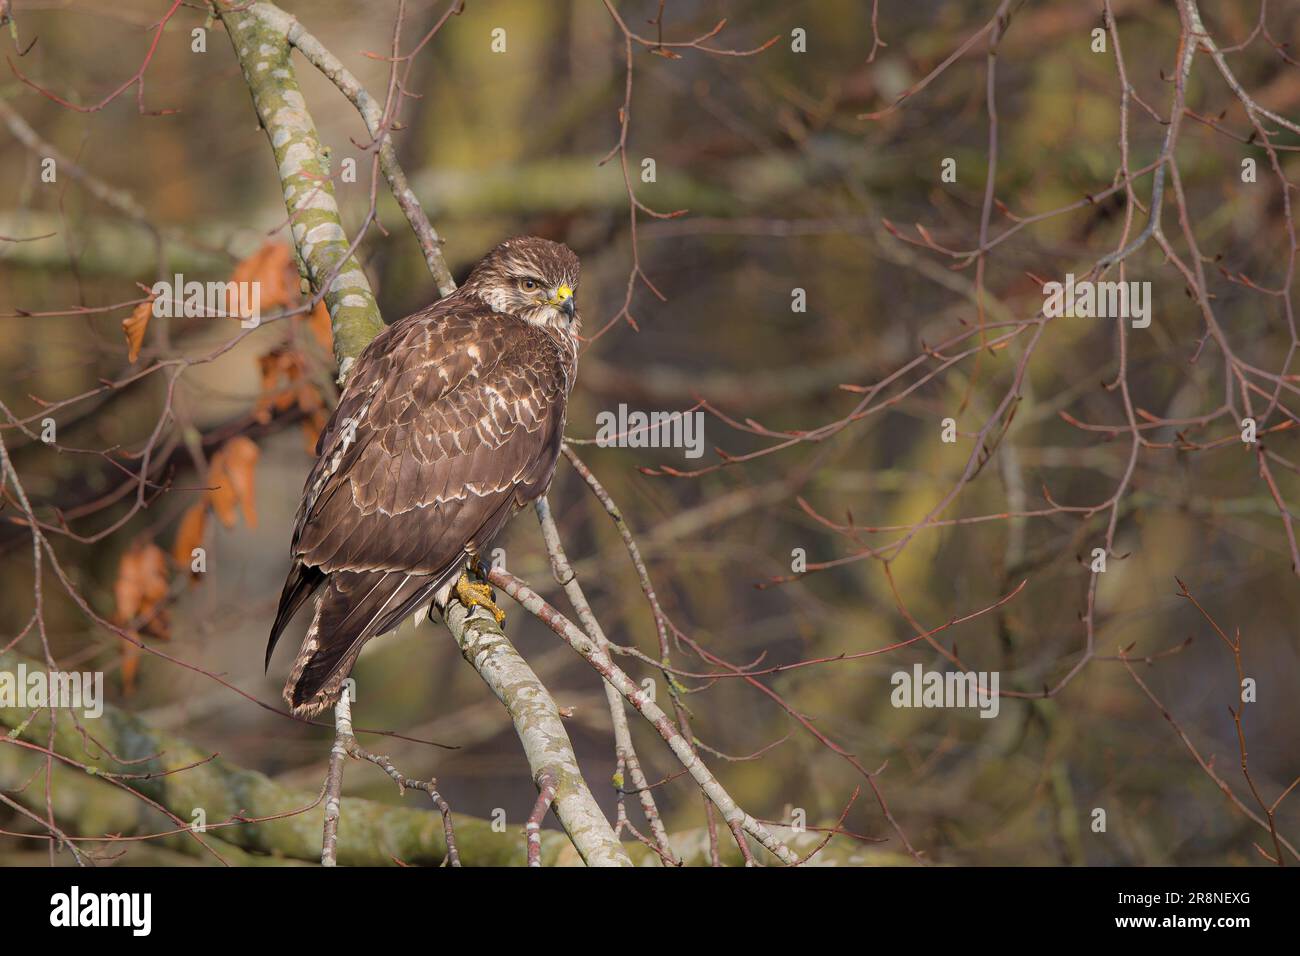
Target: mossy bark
(304, 172)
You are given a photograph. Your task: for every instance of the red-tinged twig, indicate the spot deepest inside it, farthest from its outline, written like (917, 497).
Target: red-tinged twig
(832, 831)
(620, 148)
(136, 78)
(533, 826)
(1207, 767)
(345, 745)
(1234, 646)
(741, 823)
(934, 74)
(625, 751)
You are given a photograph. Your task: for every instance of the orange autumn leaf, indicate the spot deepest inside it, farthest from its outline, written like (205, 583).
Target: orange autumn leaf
(274, 366)
(130, 666)
(311, 402)
(134, 326)
(309, 398)
(140, 589)
(284, 385)
(230, 477)
(272, 268)
(241, 460)
(284, 371)
(319, 323)
(311, 429)
(221, 492)
(189, 534)
(128, 590)
(151, 565)
(268, 366)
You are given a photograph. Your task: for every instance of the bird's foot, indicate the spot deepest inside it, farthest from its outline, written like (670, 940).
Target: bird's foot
(474, 595)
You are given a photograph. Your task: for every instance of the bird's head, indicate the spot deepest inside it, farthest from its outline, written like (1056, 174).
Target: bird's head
(535, 279)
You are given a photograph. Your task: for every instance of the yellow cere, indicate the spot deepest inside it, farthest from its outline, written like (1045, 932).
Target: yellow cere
(562, 293)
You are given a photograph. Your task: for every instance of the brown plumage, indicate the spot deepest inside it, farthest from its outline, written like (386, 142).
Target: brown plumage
(450, 422)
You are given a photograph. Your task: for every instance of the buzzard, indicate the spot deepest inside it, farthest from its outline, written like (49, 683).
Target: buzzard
(450, 422)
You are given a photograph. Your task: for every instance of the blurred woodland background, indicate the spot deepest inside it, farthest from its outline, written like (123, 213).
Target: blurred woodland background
(814, 163)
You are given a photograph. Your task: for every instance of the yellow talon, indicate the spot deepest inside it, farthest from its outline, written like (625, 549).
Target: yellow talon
(472, 595)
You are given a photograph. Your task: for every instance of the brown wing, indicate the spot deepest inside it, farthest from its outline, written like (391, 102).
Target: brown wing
(452, 419)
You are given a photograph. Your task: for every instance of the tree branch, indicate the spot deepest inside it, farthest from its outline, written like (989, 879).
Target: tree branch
(261, 36)
(540, 729)
(316, 226)
(372, 112)
(741, 823)
(371, 833)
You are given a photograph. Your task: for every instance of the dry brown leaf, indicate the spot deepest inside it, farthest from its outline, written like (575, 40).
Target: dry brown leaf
(274, 366)
(221, 491)
(284, 370)
(241, 461)
(272, 268)
(134, 326)
(309, 399)
(130, 665)
(319, 323)
(311, 429)
(285, 384)
(140, 589)
(230, 476)
(127, 594)
(269, 367)
(153, 574)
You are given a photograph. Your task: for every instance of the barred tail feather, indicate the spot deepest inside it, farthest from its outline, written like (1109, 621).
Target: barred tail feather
(302, 582)
(318, 672)
(353, 607)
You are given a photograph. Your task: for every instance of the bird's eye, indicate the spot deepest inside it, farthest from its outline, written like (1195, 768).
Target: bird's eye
(530, 284)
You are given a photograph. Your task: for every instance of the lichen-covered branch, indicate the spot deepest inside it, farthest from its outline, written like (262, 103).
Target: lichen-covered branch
(262, 36)
(540, 729)
(315, 224)
(372, 113)
(740, 822)
(568, 579)
(371, 833)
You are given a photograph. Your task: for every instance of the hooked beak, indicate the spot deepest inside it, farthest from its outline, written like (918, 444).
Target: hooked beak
(563, 298)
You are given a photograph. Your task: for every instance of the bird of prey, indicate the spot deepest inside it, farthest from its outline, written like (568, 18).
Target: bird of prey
(450, 422)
